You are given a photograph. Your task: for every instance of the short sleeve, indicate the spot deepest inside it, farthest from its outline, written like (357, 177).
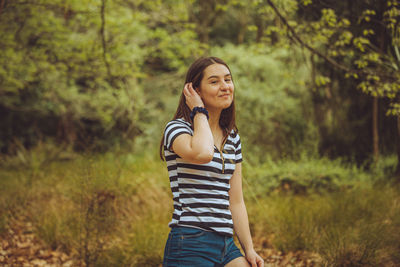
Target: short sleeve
(238, 149)
(173, 130)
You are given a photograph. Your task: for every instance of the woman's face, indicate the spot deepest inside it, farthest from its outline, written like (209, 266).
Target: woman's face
(216, 87)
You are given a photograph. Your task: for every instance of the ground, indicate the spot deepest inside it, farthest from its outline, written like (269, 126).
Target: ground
(20, 247)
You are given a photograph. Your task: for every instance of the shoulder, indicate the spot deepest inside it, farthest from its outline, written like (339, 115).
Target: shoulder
(234, 138)
(234, 134)
(178, 123)
(175, 128)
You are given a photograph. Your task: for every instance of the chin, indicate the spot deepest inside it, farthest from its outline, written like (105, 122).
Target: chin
(223, 105)
(227, 105)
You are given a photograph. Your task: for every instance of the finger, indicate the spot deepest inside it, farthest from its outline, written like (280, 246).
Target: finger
(260, 262)
(187, 87)
(186, 90)
(191, 88)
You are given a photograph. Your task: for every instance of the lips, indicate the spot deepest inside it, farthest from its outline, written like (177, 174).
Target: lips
(224, 95)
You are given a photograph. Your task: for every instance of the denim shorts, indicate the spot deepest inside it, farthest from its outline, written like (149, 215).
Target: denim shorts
(191, 247)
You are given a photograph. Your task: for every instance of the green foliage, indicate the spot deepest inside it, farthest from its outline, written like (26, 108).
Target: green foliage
(113, 209)
(363, 43)
(71, 70)
(94, 206)
(105, 75)
(57, 225)
(307, 176)
(353, 228)
(142, 243)
(271, 101)
(100, 75)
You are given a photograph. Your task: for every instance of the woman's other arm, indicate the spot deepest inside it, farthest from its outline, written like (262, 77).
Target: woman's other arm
(199, 148)
(240, 218)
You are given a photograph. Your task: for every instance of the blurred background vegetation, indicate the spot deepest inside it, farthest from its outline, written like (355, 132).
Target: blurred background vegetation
(88, 86)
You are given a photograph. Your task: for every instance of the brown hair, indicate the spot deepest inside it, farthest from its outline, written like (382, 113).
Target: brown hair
(195, 75)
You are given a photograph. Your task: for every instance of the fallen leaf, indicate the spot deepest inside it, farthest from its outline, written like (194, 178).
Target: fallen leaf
(286, 259)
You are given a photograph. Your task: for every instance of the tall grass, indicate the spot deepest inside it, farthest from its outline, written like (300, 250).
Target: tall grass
(354, 223)
(104, 209)
(113, 209)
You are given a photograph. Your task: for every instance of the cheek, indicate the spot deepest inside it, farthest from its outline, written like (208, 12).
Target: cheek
(210, 92)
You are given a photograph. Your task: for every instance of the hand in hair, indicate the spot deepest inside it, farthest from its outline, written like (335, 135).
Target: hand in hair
(193, 99)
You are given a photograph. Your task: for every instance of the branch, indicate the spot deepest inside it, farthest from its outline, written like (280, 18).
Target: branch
(103, 38)
(333, 62)
(298, 39)
(2, 5)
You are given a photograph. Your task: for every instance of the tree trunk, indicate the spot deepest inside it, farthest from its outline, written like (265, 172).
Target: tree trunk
(241, 34)
(242, 28)
(203, 34)
(319, 112)
(66, 129)
(2, 5)
(260, 29)
(397, 174)
(375, 132)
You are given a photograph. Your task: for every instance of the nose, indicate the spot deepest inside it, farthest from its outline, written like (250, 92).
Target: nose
(224, 86)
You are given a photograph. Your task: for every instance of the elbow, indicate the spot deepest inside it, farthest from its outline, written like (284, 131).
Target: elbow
(205, 157)
(208, 157)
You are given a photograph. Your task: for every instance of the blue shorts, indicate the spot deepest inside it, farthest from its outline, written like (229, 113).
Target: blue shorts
(193, 247)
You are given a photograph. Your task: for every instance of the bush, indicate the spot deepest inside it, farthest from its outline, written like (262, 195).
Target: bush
(353, 228)
(350, 219)
(273, 111)
(304, 176)
(271, 102)
(63, 77)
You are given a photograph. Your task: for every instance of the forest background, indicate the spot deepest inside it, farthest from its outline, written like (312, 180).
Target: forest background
(87, 87)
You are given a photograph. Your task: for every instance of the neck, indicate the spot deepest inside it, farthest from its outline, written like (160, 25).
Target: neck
(214, 115)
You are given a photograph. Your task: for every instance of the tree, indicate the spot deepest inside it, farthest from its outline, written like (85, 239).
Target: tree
(359, 39)
(72, 70)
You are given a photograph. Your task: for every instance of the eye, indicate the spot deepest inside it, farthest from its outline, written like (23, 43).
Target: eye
(214, 82)
(228, 80)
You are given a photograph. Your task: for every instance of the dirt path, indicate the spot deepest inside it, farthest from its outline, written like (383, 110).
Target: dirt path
(20, 247)
(275, 258)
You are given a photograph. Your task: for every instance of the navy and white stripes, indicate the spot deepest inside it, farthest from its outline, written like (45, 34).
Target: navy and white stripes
(200, 191)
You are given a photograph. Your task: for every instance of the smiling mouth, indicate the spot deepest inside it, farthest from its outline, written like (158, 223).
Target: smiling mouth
(223, 95)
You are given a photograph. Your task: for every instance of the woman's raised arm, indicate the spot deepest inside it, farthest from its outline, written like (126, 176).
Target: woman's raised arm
(199, 148)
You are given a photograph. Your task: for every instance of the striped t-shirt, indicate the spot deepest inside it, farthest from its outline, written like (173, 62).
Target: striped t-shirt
(200, 191)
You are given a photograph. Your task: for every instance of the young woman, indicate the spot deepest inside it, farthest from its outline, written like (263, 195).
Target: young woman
(202, 149)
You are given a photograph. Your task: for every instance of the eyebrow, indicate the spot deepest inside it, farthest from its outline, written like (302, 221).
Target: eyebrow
(215, 76)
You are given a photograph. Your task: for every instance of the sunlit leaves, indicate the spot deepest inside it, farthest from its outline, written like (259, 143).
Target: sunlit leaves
(329, 17)
(366, 15)
(361, 43)
(322, 80)
(352, 40)
(306, 2)
(367, 32)
(344, 39)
